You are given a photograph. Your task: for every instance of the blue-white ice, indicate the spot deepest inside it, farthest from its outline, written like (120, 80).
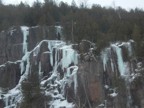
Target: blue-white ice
(25, 31)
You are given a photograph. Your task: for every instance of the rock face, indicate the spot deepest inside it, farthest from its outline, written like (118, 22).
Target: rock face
(38, 70)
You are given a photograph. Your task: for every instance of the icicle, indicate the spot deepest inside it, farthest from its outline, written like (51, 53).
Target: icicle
(75, 79)
(104, 58)
(69, 56)
(40, 73)
(60, 104)
(72, 77)
(104, 61)
(50, 47)
(112, 65)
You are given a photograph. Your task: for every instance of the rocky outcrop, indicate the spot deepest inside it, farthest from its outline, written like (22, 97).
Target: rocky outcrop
(49, 73)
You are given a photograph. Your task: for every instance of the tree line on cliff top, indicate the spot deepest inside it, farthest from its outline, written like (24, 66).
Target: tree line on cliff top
(97, 24)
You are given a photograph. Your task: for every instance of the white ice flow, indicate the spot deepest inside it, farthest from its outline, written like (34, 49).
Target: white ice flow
(61, 55)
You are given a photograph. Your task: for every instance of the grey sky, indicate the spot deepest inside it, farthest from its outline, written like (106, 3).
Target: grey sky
(127, 4)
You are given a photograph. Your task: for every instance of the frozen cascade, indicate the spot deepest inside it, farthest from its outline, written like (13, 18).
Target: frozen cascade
(72, 77)
(25, 31)
(104, 58)
(58, 30)
(121, 65)
(108, 56)
(68, 61)
(69, 56)
(40, 73)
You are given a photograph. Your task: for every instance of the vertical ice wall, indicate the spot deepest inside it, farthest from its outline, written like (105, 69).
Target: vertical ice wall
(114, 57)
(12, 97)
(109, 57)
(61, 56)
(25, 31)
(120, 62)
(67, 60)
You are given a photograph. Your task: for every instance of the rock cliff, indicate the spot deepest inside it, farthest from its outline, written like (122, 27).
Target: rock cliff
(39, 70)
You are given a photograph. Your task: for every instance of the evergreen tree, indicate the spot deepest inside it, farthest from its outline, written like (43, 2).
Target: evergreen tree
(136, 35)
(32, 97)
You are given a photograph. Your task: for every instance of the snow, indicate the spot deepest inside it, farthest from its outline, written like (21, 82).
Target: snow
(10, 62)
(59, 104)
(3, 65)
(101, 105)
(11, 98)
(113, 94)
(106, 87)
(36, 50)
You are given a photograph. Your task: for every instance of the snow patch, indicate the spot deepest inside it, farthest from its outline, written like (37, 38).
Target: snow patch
(60, 104)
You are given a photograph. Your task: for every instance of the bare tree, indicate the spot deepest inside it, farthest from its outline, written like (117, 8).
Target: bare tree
(84, 3)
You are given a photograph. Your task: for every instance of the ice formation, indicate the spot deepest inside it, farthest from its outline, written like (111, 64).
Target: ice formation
(120, 61)
(61, 55)
(108, 55)
(25, 31)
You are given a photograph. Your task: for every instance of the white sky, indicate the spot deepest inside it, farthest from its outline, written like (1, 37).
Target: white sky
(127, 4)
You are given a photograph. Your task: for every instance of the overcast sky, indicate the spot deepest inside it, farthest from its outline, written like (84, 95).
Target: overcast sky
(127, 4)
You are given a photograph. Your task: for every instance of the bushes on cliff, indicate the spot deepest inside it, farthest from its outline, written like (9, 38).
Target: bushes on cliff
(32, 94)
